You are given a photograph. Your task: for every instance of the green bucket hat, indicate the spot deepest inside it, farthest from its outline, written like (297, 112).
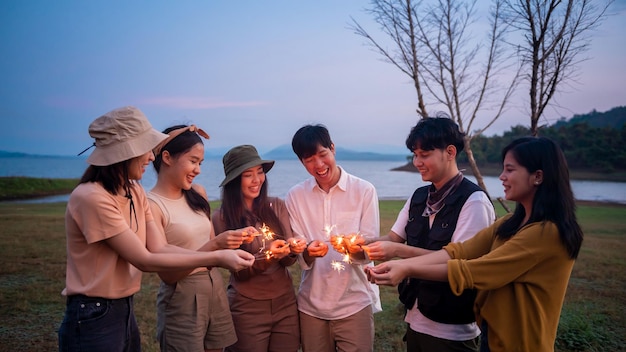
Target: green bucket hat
(241, 158)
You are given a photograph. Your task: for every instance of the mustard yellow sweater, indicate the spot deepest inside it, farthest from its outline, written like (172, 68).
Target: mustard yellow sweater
(521, 284)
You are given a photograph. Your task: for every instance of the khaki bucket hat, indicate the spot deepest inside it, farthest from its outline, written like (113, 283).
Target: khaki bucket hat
(122, 134)
(241, 158)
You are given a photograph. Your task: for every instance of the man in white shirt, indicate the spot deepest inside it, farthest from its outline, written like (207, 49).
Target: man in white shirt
(335, 300)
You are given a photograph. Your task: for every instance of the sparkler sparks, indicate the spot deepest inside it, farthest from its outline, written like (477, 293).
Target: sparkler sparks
(271, 244)
(328, 229)
(338, 266)
(341, 243)
(267, 233)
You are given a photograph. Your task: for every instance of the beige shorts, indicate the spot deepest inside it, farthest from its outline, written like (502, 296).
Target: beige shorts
(193, 314)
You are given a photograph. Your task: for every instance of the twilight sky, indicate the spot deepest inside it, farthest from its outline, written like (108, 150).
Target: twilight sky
(248, 72)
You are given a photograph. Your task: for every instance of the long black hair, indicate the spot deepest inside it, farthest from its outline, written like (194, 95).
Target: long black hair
(236, 215)
(111, 177)
(176, 147)
(554, 199)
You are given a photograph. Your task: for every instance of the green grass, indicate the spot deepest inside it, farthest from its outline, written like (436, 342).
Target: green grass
(32, 274)
(31, 187)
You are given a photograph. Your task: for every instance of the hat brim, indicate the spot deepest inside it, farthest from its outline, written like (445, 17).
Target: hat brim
(267, 166)
(132, 148)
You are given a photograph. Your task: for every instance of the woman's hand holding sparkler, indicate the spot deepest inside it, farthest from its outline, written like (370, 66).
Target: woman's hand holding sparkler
(297, 245)
(388, 273)
(232, 239)
(249, 233)
(279, 249)
(235, 260)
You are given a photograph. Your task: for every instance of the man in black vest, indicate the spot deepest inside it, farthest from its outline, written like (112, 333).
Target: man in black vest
(450, 209)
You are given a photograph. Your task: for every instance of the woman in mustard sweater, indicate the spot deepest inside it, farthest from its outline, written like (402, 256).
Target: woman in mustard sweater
(521, 264)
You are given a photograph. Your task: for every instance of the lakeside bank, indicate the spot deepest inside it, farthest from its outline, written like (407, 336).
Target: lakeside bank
(51, 191)
(390, 185)
(19, 188)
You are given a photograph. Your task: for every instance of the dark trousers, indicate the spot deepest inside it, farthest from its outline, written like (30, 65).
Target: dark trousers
(99, 324)
(418, 342)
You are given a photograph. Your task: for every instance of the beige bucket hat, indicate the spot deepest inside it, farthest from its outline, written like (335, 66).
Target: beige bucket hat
(241, 158)
(122, 134)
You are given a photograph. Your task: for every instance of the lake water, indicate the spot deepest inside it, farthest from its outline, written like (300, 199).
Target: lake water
(389, 184)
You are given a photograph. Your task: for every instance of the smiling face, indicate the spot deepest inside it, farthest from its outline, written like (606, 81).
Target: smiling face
(436, 166)
(251, 181)
(519, 184)
(138, 165)
(323, 167)
(185, 167)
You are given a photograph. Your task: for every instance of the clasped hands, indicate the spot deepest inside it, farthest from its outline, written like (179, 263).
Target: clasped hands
(282, 248)
(344, 244)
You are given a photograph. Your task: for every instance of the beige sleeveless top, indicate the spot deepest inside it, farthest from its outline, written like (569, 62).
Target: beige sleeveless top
(184, 227)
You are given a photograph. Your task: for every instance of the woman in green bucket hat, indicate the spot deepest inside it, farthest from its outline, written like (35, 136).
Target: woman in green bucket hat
(262, 298)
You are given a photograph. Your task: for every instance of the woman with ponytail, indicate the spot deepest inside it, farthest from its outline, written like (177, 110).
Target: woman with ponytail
(192, 309)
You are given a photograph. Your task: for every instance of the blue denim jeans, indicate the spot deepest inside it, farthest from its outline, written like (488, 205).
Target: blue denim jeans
(99, 324)
(484, 340)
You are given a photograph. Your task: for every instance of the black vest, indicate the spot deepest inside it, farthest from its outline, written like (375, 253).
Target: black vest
(436, 300)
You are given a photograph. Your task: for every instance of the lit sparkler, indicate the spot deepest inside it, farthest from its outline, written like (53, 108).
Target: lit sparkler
(338, 266)
(267, 233)
(341, 244)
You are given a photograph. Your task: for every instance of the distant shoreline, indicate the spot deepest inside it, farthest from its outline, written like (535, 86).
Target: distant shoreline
(495, 169)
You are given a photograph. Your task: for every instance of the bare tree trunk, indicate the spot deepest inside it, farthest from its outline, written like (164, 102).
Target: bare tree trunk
(479, 177)
(472, 162)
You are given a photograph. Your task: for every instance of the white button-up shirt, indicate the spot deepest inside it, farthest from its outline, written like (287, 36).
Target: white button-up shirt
(351, 206)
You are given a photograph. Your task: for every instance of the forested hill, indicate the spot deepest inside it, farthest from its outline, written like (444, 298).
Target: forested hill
(593, 141)
(615, 118)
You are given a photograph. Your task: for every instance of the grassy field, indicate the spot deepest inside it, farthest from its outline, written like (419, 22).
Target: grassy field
(32, 271)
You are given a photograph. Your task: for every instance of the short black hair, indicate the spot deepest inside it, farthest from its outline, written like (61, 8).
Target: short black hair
(307, 139)
(435, 133)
